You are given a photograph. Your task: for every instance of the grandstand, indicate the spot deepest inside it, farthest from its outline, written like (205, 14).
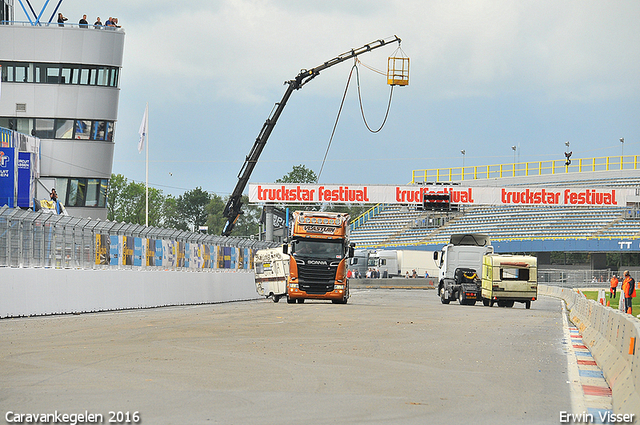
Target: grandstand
(569, 227)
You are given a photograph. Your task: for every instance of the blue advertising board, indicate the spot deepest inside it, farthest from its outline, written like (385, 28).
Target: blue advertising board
(137, 251)
(7, 176)
(158, 252)
(25, 183)
(114, 253)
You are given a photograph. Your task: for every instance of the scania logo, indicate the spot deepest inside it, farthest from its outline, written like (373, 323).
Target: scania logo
(318, 262)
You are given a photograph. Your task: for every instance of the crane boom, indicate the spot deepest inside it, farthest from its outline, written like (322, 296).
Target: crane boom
(232, 210)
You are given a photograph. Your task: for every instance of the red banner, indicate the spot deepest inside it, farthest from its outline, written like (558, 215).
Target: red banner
(374, 194)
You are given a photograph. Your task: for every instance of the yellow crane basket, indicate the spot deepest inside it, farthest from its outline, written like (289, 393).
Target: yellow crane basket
(398, 69)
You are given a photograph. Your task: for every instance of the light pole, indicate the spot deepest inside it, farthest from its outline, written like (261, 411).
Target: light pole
(463, 152)
(622, 153)
(513, 148)
(568, 156)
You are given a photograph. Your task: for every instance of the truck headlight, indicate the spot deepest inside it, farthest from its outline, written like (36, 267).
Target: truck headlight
(293, 285)
(338, 286)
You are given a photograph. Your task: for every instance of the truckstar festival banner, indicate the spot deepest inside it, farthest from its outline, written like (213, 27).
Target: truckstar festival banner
(374, 194)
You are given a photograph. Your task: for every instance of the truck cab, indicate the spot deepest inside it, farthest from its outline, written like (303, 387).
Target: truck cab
(460, 258)
(318, 252)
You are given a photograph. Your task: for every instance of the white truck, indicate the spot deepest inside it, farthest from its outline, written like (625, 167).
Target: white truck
(272, 271)
(359, 261)
(460, 264)
(397, 262)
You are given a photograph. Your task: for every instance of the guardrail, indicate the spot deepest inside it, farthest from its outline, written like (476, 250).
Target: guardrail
(41, 239)
(611, 336)
(60, 25)
(518, 169)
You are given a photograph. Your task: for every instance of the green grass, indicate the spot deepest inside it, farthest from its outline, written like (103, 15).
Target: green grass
(593, 295)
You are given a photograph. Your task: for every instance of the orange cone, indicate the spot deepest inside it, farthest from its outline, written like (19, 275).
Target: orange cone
(629, 311)
(609, 303)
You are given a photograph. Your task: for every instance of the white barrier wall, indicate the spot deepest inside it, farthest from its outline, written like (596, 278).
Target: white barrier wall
(29, 292)
(612, 336)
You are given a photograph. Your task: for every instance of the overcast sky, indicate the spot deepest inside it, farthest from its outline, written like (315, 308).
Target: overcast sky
(484, 76)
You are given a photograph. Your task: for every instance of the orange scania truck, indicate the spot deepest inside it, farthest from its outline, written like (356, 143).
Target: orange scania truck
(318, 250)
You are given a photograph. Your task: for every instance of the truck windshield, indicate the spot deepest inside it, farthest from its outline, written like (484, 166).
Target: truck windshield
(318, 249)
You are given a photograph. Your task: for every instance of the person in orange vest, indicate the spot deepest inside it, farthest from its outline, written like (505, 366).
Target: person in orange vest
(614, 286)
(629, 290)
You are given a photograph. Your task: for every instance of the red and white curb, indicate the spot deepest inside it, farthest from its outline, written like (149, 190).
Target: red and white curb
(590, 393)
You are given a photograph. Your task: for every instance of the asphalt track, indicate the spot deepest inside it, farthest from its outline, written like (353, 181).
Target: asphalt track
(387, 357)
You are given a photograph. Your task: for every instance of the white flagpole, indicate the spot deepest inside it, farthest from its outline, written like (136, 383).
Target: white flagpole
(146, 210)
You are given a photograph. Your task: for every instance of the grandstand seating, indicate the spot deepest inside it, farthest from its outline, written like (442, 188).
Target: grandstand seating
(394, 225)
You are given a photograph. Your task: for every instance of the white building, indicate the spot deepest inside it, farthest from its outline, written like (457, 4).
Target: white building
(61, 84)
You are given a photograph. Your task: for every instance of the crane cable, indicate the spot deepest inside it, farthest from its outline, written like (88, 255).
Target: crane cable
(333, 132)
(344, 96)
(386, 115)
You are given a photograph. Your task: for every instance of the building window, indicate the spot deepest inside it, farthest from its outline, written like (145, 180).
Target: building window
(64, 129)
(60, 128)
(79, 192)
(83, 129)
(27, 72)
(44, 128)
(102, 196)
(98, 130)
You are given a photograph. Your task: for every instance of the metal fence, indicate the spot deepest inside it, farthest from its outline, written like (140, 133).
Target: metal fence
(42, 239)
(568, 278)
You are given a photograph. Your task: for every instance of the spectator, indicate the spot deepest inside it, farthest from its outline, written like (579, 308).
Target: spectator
(109, 22)
(406, 276)
(61, 20)
(614, 286)
(426, 274)
(83, 22)
(629, 290)
(115, 23)
(414, 274)
(97, 24)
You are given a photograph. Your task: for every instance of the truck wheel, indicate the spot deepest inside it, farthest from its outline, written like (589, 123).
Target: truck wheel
(461, 299)
(291, 300)
(501, 303)
(486, 302)
(508, 304)
(527, 305)
(276, 298)
(443, 296)
(300, 300)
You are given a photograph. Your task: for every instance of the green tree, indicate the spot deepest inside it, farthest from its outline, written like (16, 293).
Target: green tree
(214, 210)
(126, 202)
(192, 207)
(171, 217)
(299, 174)
(247, 224)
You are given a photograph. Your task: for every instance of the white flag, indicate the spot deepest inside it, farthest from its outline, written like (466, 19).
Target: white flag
(144, 128)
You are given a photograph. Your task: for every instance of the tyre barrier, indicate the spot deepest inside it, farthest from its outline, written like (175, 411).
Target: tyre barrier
(611, 337)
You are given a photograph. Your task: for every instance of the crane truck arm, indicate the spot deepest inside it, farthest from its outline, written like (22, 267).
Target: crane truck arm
(232, 209)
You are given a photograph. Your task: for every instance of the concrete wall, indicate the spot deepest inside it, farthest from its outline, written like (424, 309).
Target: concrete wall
(612, 336)
(28, 292)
